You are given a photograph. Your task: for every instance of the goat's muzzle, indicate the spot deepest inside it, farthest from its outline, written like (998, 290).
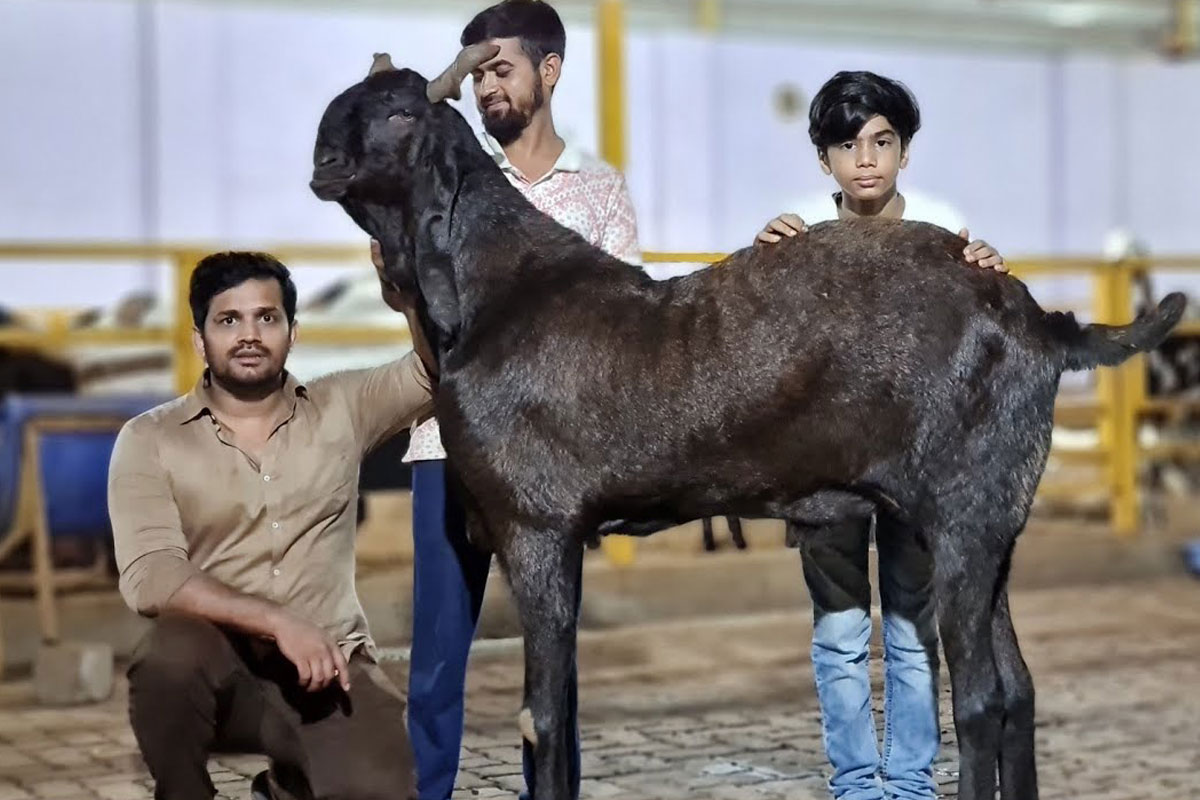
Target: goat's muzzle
(332, 173)
(330, 187)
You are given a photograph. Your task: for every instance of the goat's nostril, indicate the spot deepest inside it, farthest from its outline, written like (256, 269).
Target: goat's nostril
(328, 159)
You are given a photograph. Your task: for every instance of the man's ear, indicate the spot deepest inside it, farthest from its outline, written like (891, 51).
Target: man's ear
(551, 70)
(903, 156)
(198, 345)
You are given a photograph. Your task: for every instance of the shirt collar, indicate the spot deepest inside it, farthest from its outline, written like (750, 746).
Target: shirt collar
(570, 160)
(198, 402)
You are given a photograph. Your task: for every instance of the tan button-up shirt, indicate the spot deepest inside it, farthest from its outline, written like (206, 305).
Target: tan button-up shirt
(183, 500)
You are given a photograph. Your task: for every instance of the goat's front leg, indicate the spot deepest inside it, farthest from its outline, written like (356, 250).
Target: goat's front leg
(544, 571)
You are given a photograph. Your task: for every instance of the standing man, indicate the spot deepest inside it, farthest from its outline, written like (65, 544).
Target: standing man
(233, 515)
(513, 92)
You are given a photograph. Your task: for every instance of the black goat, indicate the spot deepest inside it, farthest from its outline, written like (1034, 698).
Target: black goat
(862, 368)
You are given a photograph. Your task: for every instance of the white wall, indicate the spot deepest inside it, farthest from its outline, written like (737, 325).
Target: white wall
(195, 121)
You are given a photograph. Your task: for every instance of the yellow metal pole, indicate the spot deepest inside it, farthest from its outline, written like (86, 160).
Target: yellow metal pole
(187, 364)
(610, 29)
(1126, 462)
(1118, 428)
(1183, 37)
(708, 13)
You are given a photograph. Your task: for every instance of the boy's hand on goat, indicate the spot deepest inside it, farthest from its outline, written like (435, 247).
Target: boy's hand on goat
(982, 254)
(781, 226)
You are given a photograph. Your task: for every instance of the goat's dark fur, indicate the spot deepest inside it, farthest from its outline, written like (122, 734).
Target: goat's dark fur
(862, 368)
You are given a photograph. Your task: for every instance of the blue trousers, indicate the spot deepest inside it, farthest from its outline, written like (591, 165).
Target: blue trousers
(836, 571)
(449, 579)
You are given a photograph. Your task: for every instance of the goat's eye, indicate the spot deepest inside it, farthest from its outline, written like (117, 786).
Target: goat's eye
(403, 115)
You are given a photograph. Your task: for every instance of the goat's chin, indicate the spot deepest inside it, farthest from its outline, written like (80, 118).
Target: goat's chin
(329, 189)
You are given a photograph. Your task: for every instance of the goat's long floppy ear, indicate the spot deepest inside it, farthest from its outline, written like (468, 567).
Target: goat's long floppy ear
(449, 83)
(443, 162)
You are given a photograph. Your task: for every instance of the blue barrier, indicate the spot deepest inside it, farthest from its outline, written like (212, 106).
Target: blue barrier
(74, 465)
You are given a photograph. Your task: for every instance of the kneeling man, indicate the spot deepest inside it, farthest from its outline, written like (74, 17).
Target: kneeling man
(233, 513)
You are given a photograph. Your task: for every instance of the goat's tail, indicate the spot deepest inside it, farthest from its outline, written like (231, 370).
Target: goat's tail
(1089, 346)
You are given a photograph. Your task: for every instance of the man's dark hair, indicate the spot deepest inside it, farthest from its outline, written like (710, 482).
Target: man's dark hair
(221, 271)
(848, 99)
(534, 22)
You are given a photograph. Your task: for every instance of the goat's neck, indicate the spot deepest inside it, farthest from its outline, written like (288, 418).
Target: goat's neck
(493, 237)
(390, 226)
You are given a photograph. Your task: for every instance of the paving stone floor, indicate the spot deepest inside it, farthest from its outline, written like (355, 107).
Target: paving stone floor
(724, 709)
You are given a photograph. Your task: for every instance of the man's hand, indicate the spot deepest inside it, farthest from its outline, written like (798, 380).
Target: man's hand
(395, 299)
(982, 254)
(781, 226)
(318, 659)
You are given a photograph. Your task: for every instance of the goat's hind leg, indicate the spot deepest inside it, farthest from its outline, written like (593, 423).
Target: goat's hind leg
(1018, 768)
(544, 572)
(966, 575)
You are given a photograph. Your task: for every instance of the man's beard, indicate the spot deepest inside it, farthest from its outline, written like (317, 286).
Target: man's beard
(247, 388)
(507, 128)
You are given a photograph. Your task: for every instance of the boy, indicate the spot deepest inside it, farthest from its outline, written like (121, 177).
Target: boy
(862, 125)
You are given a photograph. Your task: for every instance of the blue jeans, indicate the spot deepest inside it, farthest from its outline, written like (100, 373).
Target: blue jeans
(449, 579)
(836, 571)
(1191, 557)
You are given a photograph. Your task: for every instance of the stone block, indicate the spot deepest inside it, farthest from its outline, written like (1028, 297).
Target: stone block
(70, 673)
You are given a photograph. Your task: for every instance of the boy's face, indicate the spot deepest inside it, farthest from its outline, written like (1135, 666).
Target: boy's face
(866, 166)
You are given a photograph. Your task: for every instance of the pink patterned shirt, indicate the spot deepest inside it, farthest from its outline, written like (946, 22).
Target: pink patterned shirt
(580, 192)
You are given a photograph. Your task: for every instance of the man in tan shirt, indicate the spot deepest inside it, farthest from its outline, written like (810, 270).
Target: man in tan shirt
(233, 513)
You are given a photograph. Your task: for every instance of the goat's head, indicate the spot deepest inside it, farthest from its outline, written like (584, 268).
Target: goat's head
(393, 154)
(378, 139)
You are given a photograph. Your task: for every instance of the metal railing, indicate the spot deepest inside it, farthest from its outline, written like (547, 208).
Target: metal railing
(1119, 403)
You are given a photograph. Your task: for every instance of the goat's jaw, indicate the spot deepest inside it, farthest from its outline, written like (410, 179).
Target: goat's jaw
(330, 188)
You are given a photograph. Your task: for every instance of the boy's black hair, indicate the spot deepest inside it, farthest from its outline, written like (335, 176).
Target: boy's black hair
(221, 271)
(534, 22)
(848, 99)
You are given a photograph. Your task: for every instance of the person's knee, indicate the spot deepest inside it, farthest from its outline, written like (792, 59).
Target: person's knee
(910, 641)
(842, 636)
(177, 650)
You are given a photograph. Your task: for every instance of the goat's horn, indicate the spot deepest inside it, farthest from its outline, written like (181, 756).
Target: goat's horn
(382, 63)
(449, 83)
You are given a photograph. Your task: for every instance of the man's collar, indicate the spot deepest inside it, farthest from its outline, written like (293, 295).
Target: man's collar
(198, 402)
(570, 160)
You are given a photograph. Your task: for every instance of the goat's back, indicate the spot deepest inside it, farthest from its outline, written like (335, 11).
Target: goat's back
(833, 346)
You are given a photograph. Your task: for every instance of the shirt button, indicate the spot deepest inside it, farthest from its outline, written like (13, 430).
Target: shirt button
(274, 572)
(267, 478)
(274, 524)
